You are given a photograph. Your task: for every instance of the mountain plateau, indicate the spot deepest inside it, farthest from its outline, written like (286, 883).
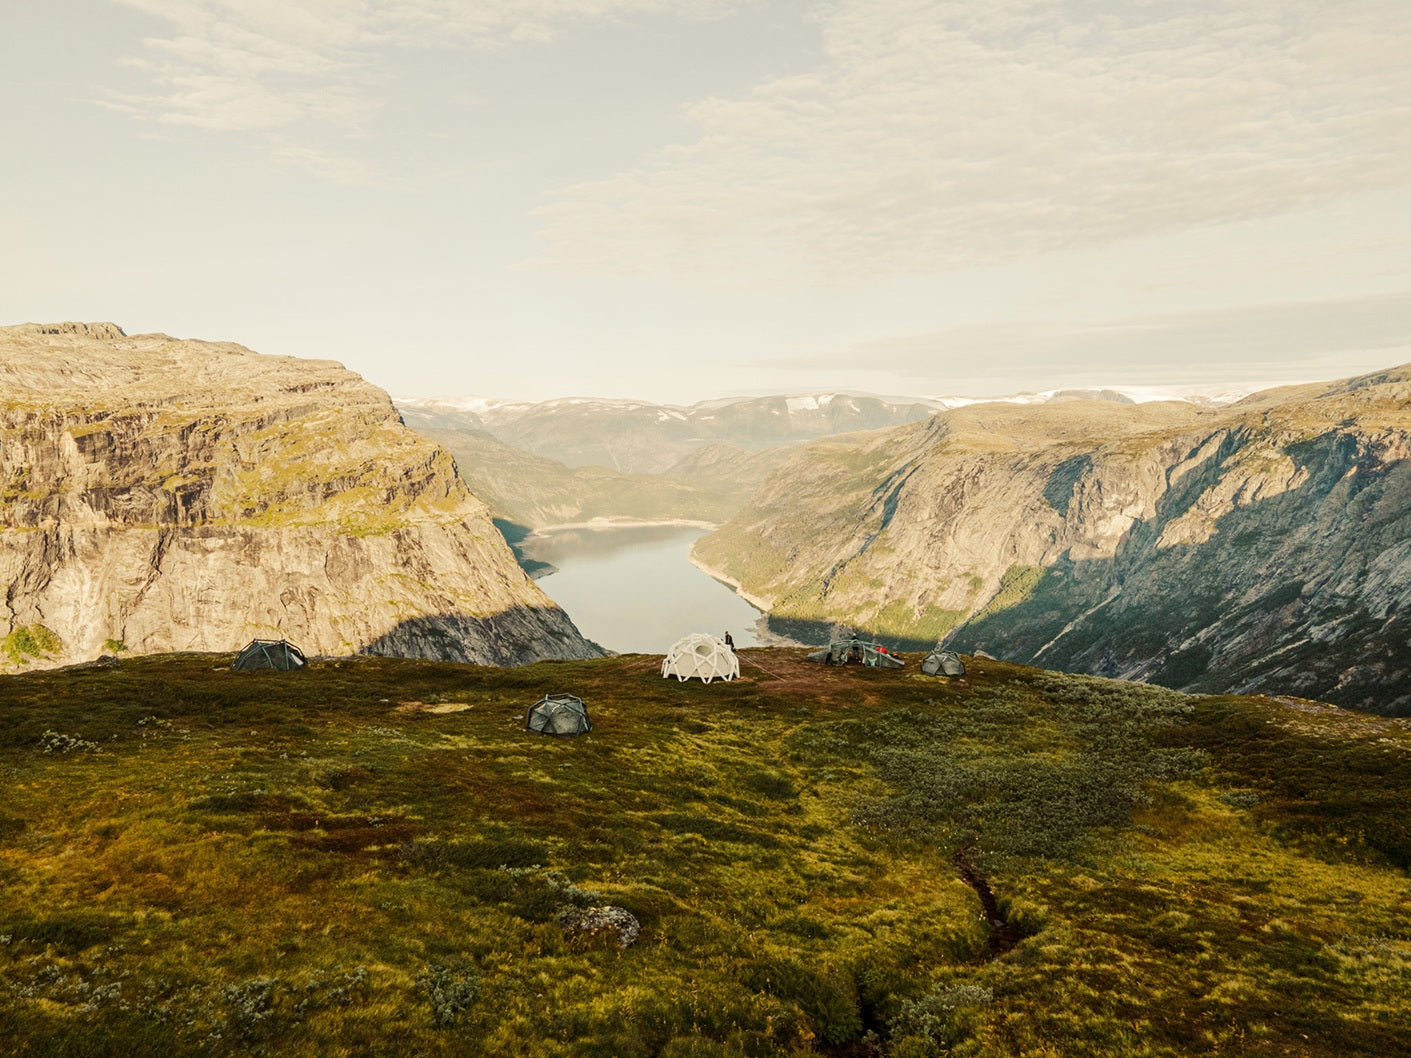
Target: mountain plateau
(165, 495)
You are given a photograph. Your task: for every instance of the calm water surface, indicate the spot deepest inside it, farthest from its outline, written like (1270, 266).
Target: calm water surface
(635, 591)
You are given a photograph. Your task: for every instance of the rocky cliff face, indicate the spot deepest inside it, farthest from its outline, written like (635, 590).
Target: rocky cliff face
(1261, 547)
(162, 495)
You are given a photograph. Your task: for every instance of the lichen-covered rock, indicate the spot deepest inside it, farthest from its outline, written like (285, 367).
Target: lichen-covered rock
(162, 495)
(616, 922)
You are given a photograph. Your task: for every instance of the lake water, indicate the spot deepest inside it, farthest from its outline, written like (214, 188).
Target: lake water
(635, 591)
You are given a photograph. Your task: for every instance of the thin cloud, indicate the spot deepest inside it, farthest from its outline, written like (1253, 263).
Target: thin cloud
(246, 65)
(1320, 339)
(943, 135)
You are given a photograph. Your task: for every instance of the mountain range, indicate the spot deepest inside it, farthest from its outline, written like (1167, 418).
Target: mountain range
(634, 437)
(578, 460)
(180, 495)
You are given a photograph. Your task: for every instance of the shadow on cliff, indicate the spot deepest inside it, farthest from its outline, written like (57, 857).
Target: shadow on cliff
(821, 633)
(515, 535)
(1233, 612)
(520, 635)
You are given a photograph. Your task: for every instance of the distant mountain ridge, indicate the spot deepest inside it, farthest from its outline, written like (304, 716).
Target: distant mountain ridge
(1260, 546)
(638, 437)
(165, 495)
(534, 492)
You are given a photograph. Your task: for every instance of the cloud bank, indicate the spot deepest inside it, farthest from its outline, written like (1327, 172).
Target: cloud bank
(939, 135)
(1308, 340)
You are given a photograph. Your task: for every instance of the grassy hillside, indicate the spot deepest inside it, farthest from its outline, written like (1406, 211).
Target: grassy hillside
(372, 856)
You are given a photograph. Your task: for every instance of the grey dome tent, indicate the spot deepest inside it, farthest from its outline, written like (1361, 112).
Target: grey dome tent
(943, 663)
(558, 714)
(270, 654)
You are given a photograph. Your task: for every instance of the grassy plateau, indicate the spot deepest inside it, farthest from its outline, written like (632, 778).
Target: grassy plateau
(372, 856)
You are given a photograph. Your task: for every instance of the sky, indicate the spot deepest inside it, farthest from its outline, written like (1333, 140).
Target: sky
(687, 200)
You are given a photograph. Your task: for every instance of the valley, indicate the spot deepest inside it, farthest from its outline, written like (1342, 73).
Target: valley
(1255, 546)
(1247, 545)
(806, 860)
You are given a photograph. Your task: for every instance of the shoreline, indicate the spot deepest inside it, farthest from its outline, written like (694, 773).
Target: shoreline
(762, 605)
(766, 636)
(604, 524)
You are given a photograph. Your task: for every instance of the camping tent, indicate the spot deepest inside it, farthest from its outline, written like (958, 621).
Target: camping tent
(943, 663)
(704, 657)
(270, 654)
(856, 651)
(558, 714)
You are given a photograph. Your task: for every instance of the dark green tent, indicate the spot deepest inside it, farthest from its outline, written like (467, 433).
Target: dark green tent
(558, 714)
(857, 652)
(270, 654)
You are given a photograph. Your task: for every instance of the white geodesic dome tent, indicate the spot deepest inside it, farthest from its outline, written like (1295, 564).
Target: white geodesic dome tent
(700, 656)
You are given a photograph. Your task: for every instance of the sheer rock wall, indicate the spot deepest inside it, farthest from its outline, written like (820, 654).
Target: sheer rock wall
(160, 495)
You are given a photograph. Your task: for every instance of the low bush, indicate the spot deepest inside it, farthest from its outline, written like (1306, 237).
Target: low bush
(940, 1015)
(449, 991)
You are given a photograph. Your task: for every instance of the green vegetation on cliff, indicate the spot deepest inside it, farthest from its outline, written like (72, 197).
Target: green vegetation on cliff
(373, 856)
(26, 642)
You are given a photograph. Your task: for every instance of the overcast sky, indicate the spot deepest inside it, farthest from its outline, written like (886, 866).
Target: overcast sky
(691, 199)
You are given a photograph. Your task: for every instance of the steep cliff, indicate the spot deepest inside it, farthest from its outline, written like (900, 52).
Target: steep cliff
(1261, 547)
(161, 495)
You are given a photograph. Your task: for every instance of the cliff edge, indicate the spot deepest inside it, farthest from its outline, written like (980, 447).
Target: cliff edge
(160, 495)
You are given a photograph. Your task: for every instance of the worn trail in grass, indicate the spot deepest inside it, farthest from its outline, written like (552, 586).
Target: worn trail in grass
(373, 856)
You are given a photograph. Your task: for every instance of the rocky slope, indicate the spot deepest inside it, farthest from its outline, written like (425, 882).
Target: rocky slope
(1261, 547)
(164, 495)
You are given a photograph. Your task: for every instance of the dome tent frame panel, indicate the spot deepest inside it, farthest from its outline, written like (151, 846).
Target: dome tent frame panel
(700, 656)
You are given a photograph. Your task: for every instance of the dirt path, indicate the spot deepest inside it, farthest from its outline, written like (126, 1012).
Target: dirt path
(1003, 936)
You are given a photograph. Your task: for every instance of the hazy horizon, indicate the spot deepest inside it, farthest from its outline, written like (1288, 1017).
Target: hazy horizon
(682, 201)
(1216, 392)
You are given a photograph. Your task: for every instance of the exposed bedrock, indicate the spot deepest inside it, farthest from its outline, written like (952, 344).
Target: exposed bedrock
(166, 495)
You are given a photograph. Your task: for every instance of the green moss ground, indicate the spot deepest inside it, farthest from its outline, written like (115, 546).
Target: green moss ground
(199, 861)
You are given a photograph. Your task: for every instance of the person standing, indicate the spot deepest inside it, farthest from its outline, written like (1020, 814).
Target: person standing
(729, 642)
